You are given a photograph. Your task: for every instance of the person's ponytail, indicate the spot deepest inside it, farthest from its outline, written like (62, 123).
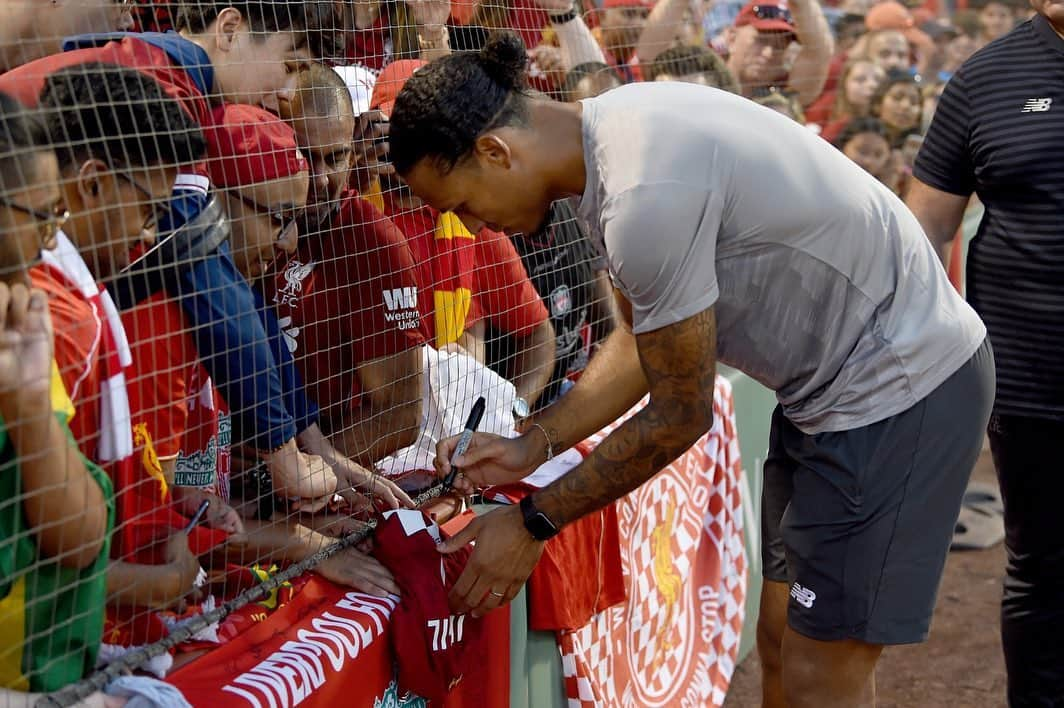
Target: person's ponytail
(504, 59)
(446, 105)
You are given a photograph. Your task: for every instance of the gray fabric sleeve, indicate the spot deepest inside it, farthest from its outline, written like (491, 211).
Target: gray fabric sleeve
(661, 241)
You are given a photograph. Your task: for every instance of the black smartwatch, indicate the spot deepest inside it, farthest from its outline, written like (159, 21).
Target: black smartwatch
(536, 521)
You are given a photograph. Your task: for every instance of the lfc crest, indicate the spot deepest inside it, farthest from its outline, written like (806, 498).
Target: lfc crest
(662, 620)
(391, 699)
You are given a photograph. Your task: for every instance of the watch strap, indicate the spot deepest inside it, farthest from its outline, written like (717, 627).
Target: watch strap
(536, 522)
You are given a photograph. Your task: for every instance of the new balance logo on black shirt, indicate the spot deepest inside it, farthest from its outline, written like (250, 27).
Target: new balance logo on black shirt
(1037, 105)
(999, 132)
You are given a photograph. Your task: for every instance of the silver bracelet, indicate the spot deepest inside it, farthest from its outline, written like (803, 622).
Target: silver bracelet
(550, 446)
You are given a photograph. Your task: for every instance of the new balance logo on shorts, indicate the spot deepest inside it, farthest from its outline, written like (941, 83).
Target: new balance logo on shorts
(1037, 105)
(803, 596)
(401, 304)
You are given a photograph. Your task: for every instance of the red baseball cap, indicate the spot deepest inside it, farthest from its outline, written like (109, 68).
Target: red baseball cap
(889, 15)
(893, 15)
(766, 16)
(391, 82)
(247, 145)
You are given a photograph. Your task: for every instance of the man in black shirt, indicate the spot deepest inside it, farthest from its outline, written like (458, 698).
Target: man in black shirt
(571, 278)
(999, 132)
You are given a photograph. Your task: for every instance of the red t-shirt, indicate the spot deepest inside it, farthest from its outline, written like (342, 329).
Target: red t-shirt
(78, 338)
(346, 297)
(821, 110)
(171, 395)
(504, 295)
(172, 392)
(470, 277)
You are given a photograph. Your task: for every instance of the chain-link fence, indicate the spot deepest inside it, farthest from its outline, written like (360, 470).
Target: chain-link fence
(232, 333)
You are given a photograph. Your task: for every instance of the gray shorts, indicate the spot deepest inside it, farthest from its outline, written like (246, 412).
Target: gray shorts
(858, 522)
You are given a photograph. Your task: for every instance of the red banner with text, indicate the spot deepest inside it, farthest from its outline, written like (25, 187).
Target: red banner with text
(331, 646)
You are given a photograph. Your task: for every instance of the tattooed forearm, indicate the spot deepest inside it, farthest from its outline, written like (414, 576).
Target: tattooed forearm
(679, 362)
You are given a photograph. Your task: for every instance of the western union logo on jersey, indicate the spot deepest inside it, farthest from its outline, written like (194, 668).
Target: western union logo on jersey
(401, 299)
(401, 306)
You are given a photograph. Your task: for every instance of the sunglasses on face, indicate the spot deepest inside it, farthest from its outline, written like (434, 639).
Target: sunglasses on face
(157, 212)
(286, 219)
(48, 222)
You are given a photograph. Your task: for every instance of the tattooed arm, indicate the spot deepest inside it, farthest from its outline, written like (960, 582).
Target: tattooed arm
(679, 363)
(614, 381)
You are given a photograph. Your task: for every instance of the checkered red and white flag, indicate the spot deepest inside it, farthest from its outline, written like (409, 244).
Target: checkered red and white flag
(674, 641)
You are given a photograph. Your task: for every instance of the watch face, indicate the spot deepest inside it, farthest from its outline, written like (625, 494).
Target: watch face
(542, 528)
(520, 408)
(537, 523)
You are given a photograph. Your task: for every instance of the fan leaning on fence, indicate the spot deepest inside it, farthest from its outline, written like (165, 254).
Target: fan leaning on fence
(814, 280)
(54, 536)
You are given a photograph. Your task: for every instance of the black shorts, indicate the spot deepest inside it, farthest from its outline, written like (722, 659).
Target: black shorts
(858, 522)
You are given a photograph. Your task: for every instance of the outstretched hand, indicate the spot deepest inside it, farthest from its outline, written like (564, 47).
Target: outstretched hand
(377, 485)
(307, 481)
(370, 157)
(354, 569)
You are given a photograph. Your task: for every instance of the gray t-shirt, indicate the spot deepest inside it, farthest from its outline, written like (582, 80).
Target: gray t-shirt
(825, 287)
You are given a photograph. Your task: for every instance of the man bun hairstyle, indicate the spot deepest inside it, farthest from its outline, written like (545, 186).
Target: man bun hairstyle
(447, 104)
(505, 60)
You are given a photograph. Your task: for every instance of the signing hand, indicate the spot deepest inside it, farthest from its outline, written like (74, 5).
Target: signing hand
(490, 460)
(184, 570)
(219, 515)
(503, 558)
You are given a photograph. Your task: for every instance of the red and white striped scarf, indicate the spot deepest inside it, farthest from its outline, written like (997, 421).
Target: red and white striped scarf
(116, 432)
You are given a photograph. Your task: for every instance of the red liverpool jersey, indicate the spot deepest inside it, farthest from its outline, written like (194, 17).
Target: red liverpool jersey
(347, 296)
(436, 650)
